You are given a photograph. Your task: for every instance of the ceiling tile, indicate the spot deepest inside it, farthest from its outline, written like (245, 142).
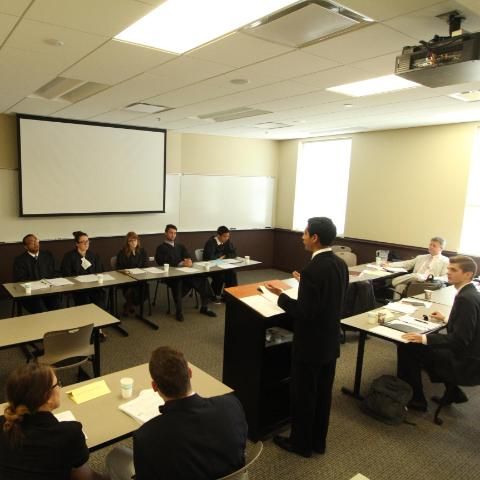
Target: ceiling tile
(105, 17)
(116, 61)
(333, 76)
(16, 7)
(367, 42)
(238, 50)
(378, 66)
(38, 106)
(7, 22)
(117, 116)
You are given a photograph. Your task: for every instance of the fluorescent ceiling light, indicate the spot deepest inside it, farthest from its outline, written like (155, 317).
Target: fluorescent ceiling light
(180, 25)
(374, 86)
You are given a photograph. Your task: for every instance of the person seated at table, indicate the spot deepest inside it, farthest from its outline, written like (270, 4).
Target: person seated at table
(35, 264)
(453, 358)
(193, 438)
(422, 266)
(176, 255)
(82, 261)
(132, 255)
(34, 445)
(219, 246)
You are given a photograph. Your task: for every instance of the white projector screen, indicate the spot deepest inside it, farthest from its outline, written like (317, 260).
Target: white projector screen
(69, 167)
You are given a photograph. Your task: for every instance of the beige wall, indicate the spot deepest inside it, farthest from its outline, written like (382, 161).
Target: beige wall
(8, 142)
(287, 173)
(405, 185)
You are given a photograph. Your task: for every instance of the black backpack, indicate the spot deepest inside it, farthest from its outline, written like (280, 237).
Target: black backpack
(387, 400)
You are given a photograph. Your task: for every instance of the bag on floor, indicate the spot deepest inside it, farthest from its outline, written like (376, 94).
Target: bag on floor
(387, 400)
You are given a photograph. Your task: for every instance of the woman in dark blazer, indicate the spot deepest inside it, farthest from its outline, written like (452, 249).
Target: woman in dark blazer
(132, 255)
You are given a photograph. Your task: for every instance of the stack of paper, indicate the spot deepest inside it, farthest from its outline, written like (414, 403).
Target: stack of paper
(135, 271)
(87, 278)
(58, 282)
(89, 392)
(263, 306)
(233, 260)
(188, 269)
(144, 407)
(396, 269)
(153, 270)
(400, 307)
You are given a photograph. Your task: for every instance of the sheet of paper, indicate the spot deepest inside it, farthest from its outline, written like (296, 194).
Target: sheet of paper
(400, 307)
(188, 269)
(424, 325)
(233, 260)
(37, 285)
(58, 282)
(87, 278)
(89, 392)
(201, 264)
(154, 270)
(416, 303)
(144, 407)
(293, 282)
(67, 416)
(373, 273)
(107, 277)
(292, 292)
(262, 305)
(388, 333)
(136, 271)
(267, 294)
(396, 269)
(374, 266)
(225, 265)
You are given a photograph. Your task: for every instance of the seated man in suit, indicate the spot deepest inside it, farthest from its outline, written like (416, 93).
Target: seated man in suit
(453, 358)
(35, 264)
(422, 266)
(219, 246)
(194, 437)
(176, 255)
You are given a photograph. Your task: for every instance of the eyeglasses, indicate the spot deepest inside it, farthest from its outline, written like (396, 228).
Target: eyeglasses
(58, 384)
(84, 241)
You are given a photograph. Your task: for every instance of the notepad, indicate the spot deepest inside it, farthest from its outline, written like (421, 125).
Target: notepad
(89, 392)
(58, 282)
(144, 407)
(262, 305)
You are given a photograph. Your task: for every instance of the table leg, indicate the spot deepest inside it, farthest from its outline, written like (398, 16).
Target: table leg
(96, 350)
(358, 368)
(140, 315)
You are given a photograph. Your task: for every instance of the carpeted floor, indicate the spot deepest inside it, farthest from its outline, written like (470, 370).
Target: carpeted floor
(356, 443)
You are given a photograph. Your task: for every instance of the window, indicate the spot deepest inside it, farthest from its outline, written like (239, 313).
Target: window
(470, 239)
(321, 189)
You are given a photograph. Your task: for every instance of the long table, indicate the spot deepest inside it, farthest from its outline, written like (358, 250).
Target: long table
(103, 423)
(360, 323)
(25, 329)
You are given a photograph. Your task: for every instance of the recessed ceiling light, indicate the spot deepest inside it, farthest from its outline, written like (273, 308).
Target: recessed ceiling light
(54, 42)
(239, 81)
(347, 105)
(146, 108)
(181, 25)
(374, 86)
(471, 96)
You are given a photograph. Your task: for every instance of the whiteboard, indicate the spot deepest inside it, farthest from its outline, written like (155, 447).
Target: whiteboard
(208, 201)
(14, 227)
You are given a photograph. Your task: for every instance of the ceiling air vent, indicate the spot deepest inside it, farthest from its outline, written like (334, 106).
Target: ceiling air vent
(69, 89)
(233, 114)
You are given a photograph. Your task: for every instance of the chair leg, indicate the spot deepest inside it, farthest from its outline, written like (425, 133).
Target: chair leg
(168, 301)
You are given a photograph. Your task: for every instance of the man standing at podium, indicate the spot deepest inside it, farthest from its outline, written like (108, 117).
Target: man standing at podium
(316, 342)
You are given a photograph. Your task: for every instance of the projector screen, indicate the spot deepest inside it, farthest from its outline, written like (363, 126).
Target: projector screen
(69, 167)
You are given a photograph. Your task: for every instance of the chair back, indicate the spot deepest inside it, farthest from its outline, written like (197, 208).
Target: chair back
(199, 254)
(251, 457)
(340, 248)
(348, 257)
(67, 348)
(113, 262)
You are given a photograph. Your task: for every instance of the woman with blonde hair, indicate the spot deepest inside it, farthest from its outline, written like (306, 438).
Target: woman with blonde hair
(132, 255)
(33, 443)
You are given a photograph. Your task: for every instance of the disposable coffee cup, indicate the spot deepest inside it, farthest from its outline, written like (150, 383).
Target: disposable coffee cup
(207, 266)
(166, 267)
(28, 288)
(378, 260)
(247, 258)
(100, 277)
(372, 318)
(381, 316)
(126, 386)
(428, 294)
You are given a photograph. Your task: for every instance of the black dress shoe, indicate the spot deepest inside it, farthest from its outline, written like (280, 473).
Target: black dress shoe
(418, 405)
(454, 395)
(179, 316)
(206, 311)
(284, 442)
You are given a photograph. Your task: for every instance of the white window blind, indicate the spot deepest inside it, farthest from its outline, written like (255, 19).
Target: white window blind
(321, 188)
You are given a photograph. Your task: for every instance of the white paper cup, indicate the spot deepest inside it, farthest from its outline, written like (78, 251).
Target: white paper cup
(428, 294)
(378, 260)
(126, 386)
(372, 318)
(100, 277)
(247, 258)
(28, 288)
(207, 267)
(166, 267)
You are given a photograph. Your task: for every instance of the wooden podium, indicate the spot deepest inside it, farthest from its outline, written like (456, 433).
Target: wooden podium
(258, 371)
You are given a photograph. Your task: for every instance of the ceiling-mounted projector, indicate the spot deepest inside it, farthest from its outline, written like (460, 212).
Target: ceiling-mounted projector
(443, 60)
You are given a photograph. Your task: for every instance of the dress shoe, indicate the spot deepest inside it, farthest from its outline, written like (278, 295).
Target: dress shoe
(285, 443)
(451, 395)
(206, 311)
(179, 316)
(102, 336)
(216, 299)
(418, 405)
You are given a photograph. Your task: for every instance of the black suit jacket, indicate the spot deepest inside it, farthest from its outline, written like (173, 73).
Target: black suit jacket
(318, 310)
(72, 264)
(463, 336)
(172, 255)
(195, 438)
(26, 268)
(212, 250)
